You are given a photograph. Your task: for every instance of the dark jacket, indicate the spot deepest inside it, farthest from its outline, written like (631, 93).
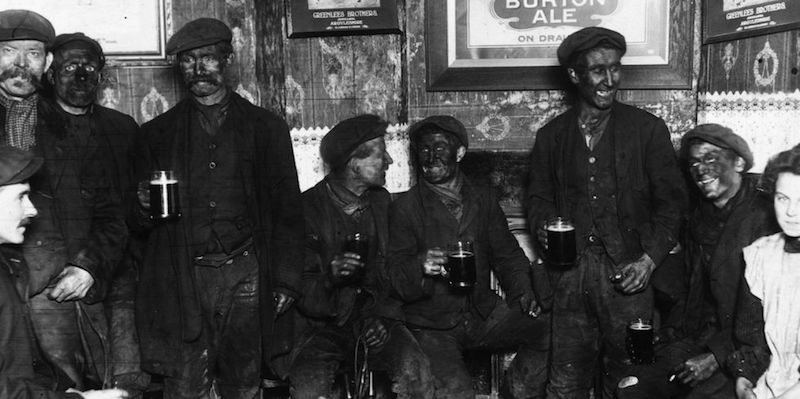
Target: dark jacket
(650, 192)
(17, 346)
(418, 221)
(707, 313)
(81, 221)
(323, 297)
(168, 312)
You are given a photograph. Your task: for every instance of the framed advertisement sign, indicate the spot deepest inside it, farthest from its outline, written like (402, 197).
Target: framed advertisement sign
(128, 30)
(735, 19)
(511, 44)
(341, 17)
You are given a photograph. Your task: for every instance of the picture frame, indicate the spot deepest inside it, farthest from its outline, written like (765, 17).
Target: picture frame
(470, 43)
(736, 19)
(130, 31)
(309, 18)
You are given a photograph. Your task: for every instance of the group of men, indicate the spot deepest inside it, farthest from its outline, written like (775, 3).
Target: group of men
(255, 279)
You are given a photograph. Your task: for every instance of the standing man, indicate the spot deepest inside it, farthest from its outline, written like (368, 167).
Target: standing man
(75, 75)
(18, 350)
(728, 213)
(344, 295)
(444, 207)
(74, 244)
(611, 169)
(216, 279)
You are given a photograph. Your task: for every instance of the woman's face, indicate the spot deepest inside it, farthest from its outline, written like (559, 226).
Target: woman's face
(787, 203)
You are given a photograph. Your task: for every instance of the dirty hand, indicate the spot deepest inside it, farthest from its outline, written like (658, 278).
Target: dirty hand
(143, 194)
(744, 389)
(73, 284)
(434, 261)
(282, 302)
(346, 265)
(374, 333)
(697, 369)
(102, 394)
(636, 275)
(529, 306)
(541, 235)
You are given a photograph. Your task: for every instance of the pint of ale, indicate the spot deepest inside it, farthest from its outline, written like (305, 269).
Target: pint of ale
(560, 242)
(461, 264)
(639, 342)
(358, 243)
(164, 203)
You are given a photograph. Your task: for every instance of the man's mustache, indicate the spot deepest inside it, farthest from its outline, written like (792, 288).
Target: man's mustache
(17, 72)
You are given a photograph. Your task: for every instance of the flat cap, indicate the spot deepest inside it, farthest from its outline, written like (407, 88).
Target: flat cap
(444, 122)
(64, 39)
(198, 33)
(338, 145)
(720, 136)
(16, 165)
(588, 38)
(25, 25)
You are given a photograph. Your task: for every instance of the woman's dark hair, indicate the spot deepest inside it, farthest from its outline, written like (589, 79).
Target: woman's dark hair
(783, 162)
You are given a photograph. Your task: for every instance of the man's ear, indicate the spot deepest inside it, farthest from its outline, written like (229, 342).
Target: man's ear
(229, 59)
(740, 164)
(573, 76)
(460, 152)
(51, 76)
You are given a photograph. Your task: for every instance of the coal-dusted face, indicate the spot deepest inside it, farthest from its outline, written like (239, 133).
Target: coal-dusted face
(597, 76)
(76, 75)
(438, 155)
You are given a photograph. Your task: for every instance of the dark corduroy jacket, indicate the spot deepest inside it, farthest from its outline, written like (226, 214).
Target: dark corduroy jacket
(17, 346)
(324, 298)
(81, 219)
(168, 312)
(650, 191)
(418, 221)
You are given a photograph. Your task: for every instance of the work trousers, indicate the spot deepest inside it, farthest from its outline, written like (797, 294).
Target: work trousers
(590, 319)
(654, 379)
(505, 328)
(225, 360)
(327, 351)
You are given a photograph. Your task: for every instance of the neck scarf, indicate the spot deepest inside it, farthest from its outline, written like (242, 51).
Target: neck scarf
(20, 123)
(351, 204)
(450, 195)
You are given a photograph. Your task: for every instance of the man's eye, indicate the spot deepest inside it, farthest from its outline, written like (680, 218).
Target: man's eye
(88, 68)
(71, 68)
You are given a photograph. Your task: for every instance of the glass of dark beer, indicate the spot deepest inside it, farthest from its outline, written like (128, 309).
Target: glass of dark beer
(358, 243)
(164, 203)
(560, 242)
(461, 264)
(639, 341)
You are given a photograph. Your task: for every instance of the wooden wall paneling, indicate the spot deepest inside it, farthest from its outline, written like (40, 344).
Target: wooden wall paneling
(240, 17)
(269, 55)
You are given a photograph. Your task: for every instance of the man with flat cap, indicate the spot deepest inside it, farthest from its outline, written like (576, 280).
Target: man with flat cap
(73, 246)
(728, 213)
(449, 318)
(19, 352)
(90, 129)
(612, 170)
(345, 298)
(216, 280)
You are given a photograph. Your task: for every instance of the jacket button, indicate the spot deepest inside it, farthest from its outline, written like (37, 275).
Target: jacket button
(592, 159)
(212, 165)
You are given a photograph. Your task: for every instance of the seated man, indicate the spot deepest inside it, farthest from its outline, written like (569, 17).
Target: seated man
(727, 214)
(344, 297)
(18, 350)
(444, 207)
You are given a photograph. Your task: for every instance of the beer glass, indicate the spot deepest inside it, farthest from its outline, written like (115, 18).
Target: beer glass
(164, 202)
(461, 264)
(560, 242)
(639, 341)
(358, 243)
